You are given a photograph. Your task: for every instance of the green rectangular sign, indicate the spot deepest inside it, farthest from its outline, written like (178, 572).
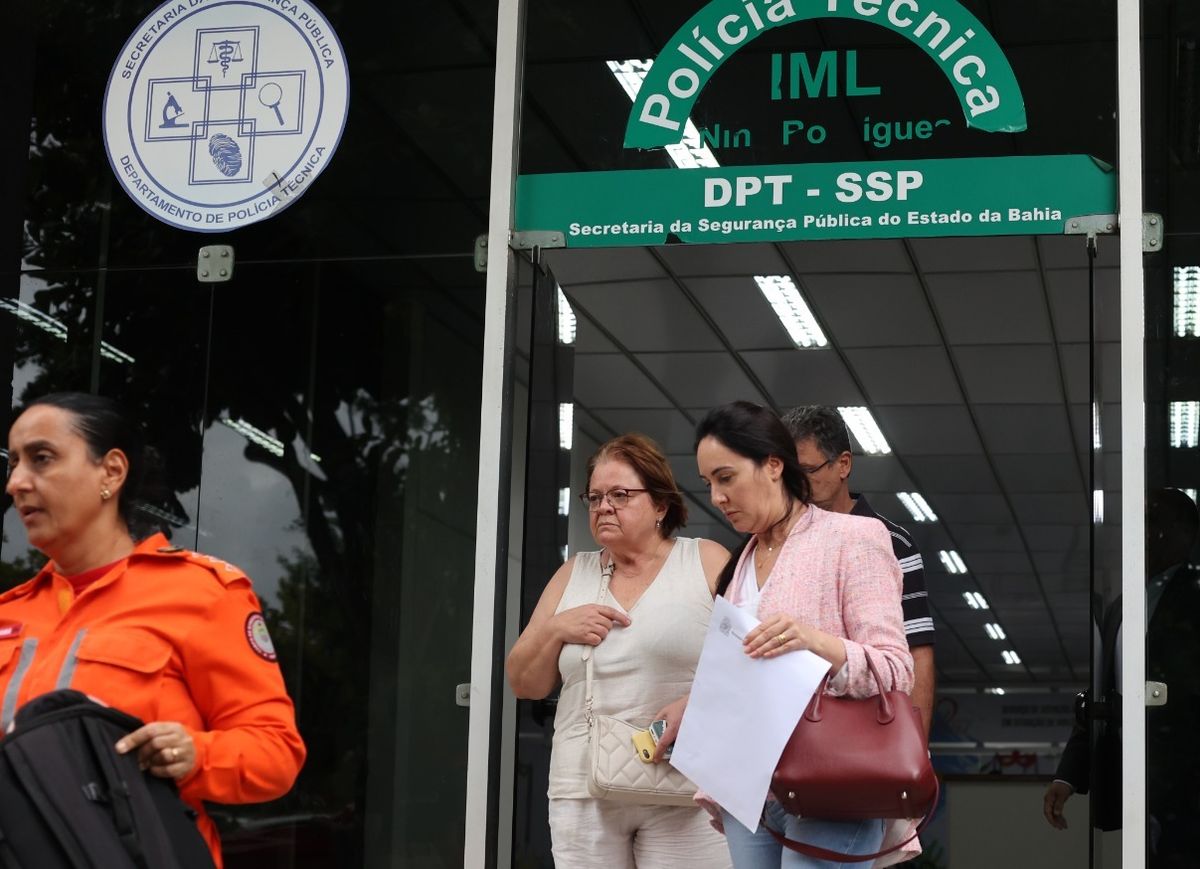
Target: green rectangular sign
(904, 198)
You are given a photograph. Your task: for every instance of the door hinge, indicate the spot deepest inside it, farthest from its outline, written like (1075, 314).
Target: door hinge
(462, 694)
(1156, 693)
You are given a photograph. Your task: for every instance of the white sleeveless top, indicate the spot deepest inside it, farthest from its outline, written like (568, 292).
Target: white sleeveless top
(636, 670)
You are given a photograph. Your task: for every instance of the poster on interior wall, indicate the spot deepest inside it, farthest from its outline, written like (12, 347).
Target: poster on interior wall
(1001, 734)
(221, 113)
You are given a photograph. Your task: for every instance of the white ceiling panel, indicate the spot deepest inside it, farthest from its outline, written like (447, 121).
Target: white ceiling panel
(924, 430)
(942, 474)
(1041, 473)
(1056, 537)
(670, 428)
(724, 259)
(1010, 374)
(700, 380)
(592, 266)
(1071, 561)
(997, 253)
(1068, 291)
(795, 377)
(985, 509)
(880, 255)
(906, 375)
(644, 315)
(885, 310)
(613, 381)
(991, 307)
(738, 308)
(1075, 369)
(988, 538)
(1024, 428)
(589, 339)
(880, 474)
(982, 563)
(1043, 509)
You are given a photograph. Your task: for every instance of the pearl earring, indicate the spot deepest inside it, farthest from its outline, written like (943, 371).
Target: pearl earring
(105, 494)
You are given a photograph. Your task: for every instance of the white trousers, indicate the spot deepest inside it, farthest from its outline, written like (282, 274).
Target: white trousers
(606, 834)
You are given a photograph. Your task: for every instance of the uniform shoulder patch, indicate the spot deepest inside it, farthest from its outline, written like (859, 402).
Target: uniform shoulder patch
(259, 637)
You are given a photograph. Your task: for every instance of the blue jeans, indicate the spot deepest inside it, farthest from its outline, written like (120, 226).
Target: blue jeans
(761, 851)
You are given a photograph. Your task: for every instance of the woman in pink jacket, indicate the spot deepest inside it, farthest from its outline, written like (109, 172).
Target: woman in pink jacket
(816, 580)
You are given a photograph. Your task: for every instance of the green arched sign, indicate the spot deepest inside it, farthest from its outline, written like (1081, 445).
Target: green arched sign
(962, 48)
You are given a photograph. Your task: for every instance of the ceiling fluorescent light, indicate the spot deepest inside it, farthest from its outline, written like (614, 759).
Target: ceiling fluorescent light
(1187, 301)
(1185, 423)
(566, 425)
(917, 506)
(564, 502)
(999, 692)
(952, 561)
(108, 351)
(975, 600)
(690, 153)
(791, 309)
(566, 319)
(1097, 442)
(272, 445)
(866, 430)
(1010, 657)
(1098, 506)
(994, 631)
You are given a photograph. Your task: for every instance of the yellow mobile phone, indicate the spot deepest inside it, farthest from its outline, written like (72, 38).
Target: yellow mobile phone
(643, 744)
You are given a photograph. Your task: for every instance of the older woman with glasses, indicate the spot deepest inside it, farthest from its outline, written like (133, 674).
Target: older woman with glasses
(646, 624)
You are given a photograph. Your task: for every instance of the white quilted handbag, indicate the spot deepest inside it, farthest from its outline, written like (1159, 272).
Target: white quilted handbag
(617, 772)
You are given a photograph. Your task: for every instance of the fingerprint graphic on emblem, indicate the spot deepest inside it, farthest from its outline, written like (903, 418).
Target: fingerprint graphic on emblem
(226, 155)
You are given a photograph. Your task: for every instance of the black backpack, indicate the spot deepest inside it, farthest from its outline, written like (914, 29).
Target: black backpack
(69, 801)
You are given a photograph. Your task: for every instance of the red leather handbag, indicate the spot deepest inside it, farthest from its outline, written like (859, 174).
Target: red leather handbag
(851, 760)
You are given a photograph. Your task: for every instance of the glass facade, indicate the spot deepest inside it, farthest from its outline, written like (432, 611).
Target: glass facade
(317, 416)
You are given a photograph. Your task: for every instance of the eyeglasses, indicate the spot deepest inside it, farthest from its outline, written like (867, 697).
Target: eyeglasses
(808, 472)
(618, 498)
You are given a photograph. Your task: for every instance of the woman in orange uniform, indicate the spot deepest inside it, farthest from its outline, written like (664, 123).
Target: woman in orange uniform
(170, 636)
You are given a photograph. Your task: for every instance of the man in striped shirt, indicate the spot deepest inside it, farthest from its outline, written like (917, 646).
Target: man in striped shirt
(823, 448)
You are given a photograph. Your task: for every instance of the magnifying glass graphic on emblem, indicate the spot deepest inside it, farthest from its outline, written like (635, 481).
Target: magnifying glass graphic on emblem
(271, 95)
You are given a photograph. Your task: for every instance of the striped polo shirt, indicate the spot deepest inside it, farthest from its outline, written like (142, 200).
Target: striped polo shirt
(918, 623)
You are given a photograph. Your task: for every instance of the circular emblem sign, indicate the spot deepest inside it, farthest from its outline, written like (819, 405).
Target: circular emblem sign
(219, 113)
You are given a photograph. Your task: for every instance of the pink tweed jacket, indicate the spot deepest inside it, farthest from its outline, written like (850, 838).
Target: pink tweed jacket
(837, 573)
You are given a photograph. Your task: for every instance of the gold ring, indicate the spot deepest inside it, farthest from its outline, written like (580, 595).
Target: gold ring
(782, 638)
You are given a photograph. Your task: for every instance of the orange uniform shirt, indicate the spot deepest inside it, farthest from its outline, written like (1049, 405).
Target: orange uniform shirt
(166, 635)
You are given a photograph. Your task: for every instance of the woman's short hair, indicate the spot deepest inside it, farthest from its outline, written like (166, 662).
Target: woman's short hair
(646, 458)
(104, 425)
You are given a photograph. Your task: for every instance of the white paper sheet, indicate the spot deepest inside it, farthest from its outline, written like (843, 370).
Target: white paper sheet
(741, 713)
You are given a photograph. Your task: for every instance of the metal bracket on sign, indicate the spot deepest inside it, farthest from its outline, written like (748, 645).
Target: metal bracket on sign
(462, 694)
(1093, 225)
(214, 265)
(528, 240)
(1156, 692)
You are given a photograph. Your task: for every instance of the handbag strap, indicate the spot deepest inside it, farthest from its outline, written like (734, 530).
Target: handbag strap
(606, 572)
(826, 854)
